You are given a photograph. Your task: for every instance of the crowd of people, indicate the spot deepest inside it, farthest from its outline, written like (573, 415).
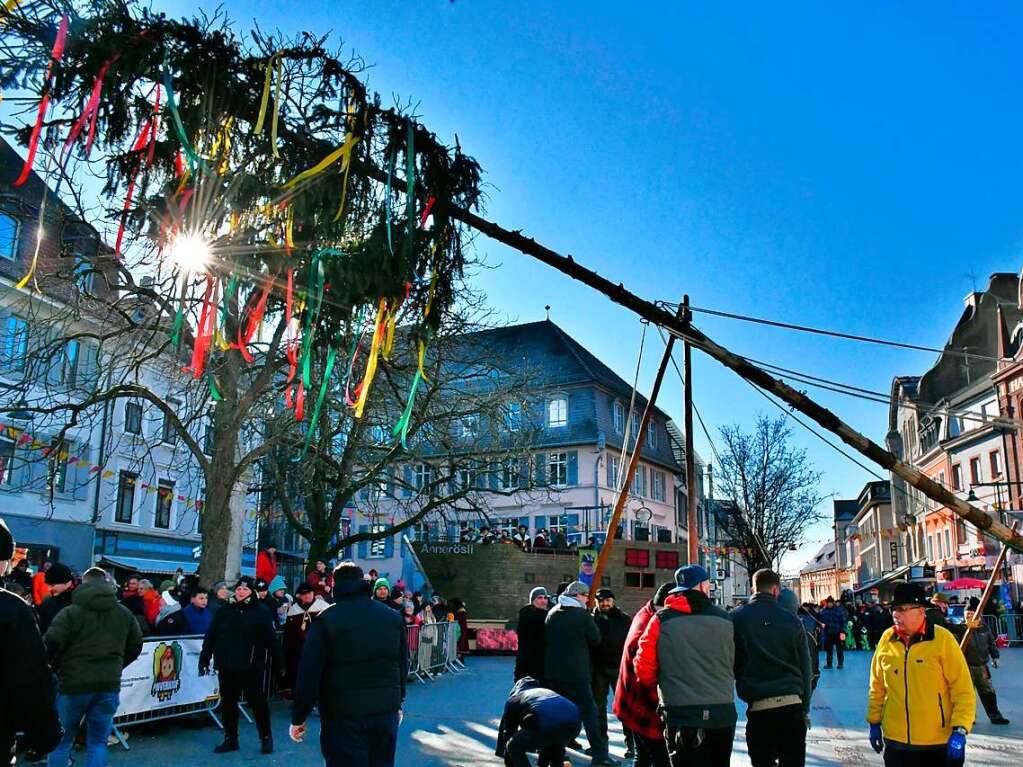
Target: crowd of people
(65, 640)
(678, 663)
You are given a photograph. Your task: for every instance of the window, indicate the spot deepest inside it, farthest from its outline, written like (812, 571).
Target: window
(509, 477)
(468, 426)
(133, 417)
(6, 462)
(948, 543)
(57, 465)
(961, 539)
(975, 471)
(377, 547)
(83, 273)
(612, 472)
(633, 580)
(168, 434)
(15, 343)
(637, 558)
(424, 476)
(941, 479)
(513, 416)
(466, 478)
(666, 560)
(557, 412)
(635, 424)
(957, 477)
(618, 416)
(125, 509)
(930, 547)
(164, 499)
(557, 468)
(651, 435)
(8, 237)
(639, 481)
(995, 459)
(659, 491)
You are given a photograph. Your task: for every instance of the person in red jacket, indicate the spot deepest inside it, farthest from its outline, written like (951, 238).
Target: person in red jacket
(321, 580)
(40, 590)
(266, 563)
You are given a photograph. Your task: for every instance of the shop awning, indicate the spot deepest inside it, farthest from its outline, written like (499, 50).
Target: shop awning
(157, 566)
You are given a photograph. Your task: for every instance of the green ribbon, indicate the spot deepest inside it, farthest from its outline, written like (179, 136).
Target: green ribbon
(193, 159)
(214, 391)
(331, 358)
(314, 297)
(232, 285)
(401, 428)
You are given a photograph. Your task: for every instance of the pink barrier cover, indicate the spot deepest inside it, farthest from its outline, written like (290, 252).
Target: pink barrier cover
(497, 639)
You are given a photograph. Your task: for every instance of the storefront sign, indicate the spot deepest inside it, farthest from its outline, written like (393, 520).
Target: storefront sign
(446, 548)
(165, 674)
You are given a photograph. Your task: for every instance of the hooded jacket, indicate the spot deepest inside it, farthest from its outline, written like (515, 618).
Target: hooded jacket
(51, 606)
(27, 696)
(688, 651)
(91, 641)
(834, 619)
(771, 655)
(920, 692)
(981, 646)
(240, 637)
(614, 628)
(532, 707)
(569, 637)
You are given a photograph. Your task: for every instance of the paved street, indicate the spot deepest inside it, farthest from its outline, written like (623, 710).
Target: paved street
(452, 722)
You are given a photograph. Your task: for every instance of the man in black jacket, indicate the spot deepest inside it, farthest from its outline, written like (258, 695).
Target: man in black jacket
(530, 630)
(569, 637)
(238, 641)
(61, 582)
(27, 696)
(773, 675)
(354, 666)
(536, 719)
(613, 625)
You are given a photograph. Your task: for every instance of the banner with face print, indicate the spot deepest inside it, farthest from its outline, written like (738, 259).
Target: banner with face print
(165, 674)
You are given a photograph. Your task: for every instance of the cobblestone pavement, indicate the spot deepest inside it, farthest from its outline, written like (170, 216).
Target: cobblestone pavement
(452, 722)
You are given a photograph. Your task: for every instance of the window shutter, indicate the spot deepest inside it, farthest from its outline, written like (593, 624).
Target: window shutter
(36, 464)
(53, 357)
(409, 478)
(494, 478)
(573, 467)
(540, 471)
(389, 546)
(88, 366)
(524, 521)
(363, 545)
(541, 522)
(81, 474)
(610, 471)
(21, 472)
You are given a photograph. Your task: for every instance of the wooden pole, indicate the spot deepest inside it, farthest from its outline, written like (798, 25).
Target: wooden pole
(626, 481)
(691, 497)
(755, 375)
(988, 589)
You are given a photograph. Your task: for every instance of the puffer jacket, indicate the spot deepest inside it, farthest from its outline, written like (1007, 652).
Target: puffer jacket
(771, 654)
(920, 692)
(240, 637)
(834, 620)
(92, 640)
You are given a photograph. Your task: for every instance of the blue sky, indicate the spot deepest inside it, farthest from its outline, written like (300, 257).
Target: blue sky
(848, 168)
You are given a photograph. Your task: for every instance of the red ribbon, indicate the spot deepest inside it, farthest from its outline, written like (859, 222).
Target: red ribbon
(426, 211)
(145, 140)
(55, 56)
(204, 331)
(255, 317)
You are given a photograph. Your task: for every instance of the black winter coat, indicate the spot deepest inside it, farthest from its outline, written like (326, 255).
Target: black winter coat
(771, 654)
(240, 637)
(51, 606)
(614, 630)
(569, 637)
(355, 658)
(530, 630)
(27, 694)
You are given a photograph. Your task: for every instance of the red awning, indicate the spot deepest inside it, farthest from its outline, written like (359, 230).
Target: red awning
(963, 583)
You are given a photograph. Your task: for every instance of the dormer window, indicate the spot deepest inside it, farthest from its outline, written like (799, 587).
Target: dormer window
(557, 411)
(618, 416)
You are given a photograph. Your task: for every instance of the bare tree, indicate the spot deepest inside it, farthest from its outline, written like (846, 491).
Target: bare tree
(775, 488)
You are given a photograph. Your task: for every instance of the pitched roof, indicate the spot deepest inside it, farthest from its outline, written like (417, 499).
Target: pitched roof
(822, 560)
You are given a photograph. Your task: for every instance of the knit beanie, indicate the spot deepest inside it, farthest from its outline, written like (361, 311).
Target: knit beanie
(382, 582)
(57, 574)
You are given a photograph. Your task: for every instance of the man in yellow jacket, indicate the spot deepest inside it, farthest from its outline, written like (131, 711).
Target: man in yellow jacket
(921, 703)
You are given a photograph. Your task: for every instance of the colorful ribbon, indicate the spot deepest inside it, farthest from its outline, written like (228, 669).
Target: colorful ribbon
(55, 56)
(371, 361)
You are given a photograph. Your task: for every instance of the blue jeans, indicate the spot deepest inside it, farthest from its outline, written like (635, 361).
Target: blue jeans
(98, 709)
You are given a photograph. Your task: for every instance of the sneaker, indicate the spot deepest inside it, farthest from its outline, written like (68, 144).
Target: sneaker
(607, 761)
(266, 745)
(840, 666)
(828, 666)
(229, 744)
(999, 720)
(575, 745)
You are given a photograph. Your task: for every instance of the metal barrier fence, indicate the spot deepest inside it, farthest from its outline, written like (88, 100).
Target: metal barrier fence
(432, 649)
(1008, 624)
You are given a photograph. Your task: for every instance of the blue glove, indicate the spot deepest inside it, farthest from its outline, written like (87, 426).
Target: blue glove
(876, 739)
(957, 747)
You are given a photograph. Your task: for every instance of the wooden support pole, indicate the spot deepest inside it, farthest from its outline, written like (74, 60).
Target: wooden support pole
(755, 375)
(691, 498)
(625, 482)
(988, 589)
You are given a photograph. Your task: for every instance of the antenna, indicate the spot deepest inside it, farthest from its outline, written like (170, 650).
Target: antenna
(548, 308)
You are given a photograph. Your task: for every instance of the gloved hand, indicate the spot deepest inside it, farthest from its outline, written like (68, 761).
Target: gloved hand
(957, 747)
(876, 739)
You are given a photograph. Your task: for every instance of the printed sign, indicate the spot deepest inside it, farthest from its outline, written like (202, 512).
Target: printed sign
(165, 674)
(587, 565)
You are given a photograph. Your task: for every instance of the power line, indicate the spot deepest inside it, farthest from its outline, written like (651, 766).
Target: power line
(828, 332)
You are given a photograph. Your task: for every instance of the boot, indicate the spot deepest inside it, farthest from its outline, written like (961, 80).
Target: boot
(266, 745)
(229, 744)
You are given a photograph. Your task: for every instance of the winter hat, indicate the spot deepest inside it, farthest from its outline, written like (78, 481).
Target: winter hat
(382, 582)
(605, 593)
(167, 585)
(397, 593)
(277, 583)
(539, 591)
(974, 603)
(6, 542)
(689, 577)
(576, 589)
(789, 601)
(247, 581)
(662, 593)
(910, 594)
(57, 574)
(304, 588)
(259, 585)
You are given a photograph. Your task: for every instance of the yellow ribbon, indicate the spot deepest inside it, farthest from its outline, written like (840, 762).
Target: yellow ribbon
(277, 106)
(371, 363)
(392, 321)
(346, 163)
(266, 95)
(326, 162)
(422, 356)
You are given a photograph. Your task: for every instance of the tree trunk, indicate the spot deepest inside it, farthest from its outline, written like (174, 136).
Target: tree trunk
(319, 549)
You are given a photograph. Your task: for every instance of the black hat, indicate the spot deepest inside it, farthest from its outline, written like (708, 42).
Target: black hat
(6, 542)
(304, 588)
(248, 582)
(260, 585)
(605, 593)
(58, 573)
(910, 594)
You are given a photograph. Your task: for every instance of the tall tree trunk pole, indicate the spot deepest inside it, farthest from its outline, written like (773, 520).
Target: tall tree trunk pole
(626, 481)
(678, 326)
(691, 498)
(988, 589)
